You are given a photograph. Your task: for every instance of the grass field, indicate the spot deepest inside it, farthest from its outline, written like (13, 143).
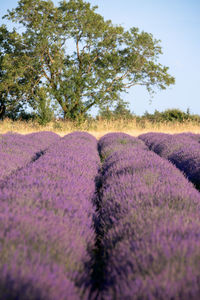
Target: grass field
(98, 128)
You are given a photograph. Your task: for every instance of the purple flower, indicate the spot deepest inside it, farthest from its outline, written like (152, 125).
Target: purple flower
(183, 150)
(46, 212)
(149, 226)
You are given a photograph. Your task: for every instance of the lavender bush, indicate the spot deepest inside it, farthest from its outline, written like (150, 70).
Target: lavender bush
(183, 150)
(148, 224)
(46, 227)
(16, 150)
(71, 228)
(194, 136)
(111, 141)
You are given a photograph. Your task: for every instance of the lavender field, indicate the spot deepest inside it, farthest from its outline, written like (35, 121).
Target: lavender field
(114, 218)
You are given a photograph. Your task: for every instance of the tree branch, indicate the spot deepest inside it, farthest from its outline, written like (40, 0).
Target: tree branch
(78, 52)
(90, 65)
(50, 57)
(88, 107)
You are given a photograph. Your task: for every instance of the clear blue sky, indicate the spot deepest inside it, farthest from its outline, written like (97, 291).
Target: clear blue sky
(177, 24)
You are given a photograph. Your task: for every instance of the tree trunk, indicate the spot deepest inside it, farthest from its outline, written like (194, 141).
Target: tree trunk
(2, 110)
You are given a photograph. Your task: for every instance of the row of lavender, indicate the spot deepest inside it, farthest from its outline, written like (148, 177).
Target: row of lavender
(148, 225)
(46, 221)
(183, 150)
(16, 150)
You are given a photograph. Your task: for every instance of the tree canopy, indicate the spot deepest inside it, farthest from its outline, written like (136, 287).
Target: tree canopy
(70, 56)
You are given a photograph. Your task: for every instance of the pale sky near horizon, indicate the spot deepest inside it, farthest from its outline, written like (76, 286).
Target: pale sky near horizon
(177, 24)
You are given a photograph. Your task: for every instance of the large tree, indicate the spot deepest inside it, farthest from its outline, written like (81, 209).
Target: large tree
(11, 72)
(70, 55)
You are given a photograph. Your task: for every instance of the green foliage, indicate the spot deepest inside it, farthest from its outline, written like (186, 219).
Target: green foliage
(44, 111)
(105, 113)
(26, 116)
(105, 60)
(171, 115)
(11, 83)
(120, 111)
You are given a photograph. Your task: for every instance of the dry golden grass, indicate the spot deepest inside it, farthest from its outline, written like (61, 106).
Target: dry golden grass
(99, 127)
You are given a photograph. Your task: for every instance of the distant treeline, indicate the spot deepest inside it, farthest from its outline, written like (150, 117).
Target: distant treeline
(169, 115)
(120, 112)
